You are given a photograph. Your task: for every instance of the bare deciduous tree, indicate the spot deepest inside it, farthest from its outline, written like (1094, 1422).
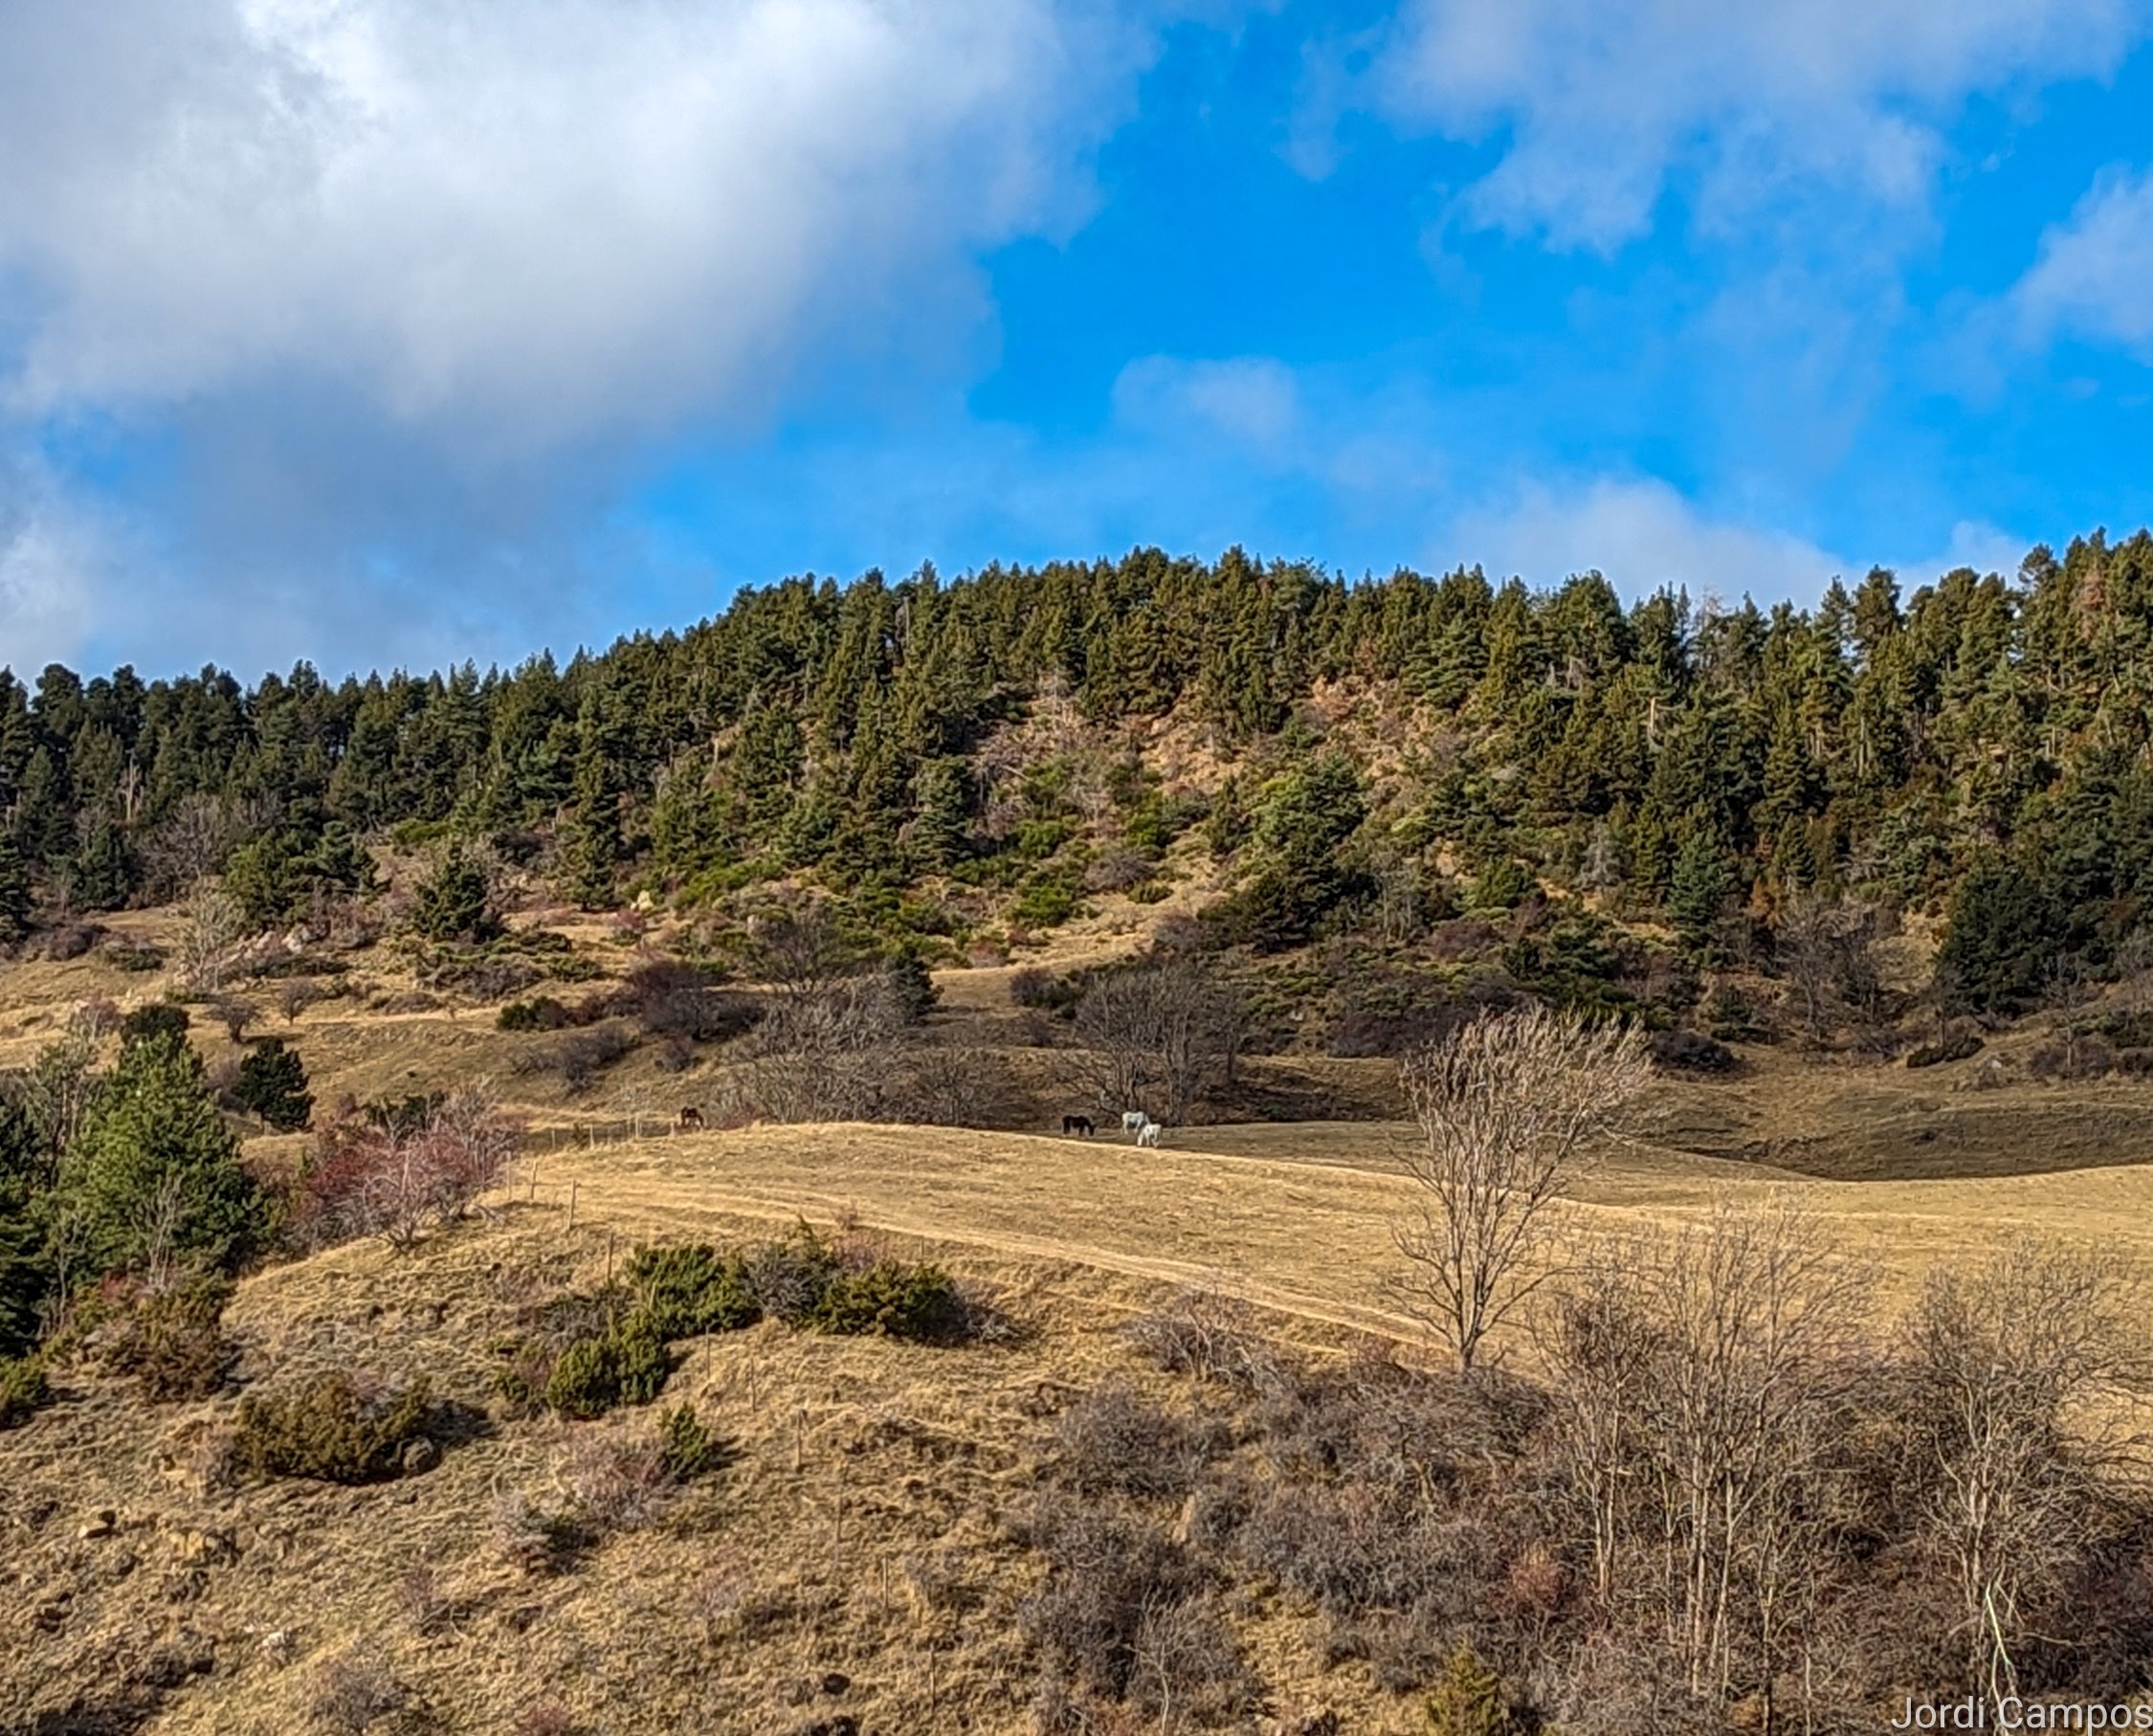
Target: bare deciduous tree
(1508, 1108)
(1156, 1036)
(1826, 953)
(827, 1053)
(2011, 1364)
(1705, 1377)
(211, 924)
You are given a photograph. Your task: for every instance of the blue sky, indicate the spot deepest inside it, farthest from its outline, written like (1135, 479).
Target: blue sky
(379, 331)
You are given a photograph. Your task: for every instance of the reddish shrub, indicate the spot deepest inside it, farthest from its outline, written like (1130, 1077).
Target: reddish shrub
(395, 1180)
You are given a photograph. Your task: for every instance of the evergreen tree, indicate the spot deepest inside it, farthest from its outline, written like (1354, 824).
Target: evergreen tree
(25, 1274)
(14, 891)
(1468, 1699)
(155, 1171)
(272, 1086)
(456, 904)
(1698, 892)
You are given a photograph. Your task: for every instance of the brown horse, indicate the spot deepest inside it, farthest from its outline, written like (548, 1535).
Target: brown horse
(691, 1121)
(1077, 1123)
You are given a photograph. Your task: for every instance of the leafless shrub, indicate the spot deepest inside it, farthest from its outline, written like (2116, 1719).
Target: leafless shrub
(582, 1055)
(2010, 1365)
(1211, 1336)
(422, 1601)
(62, 942)
(1110, 1442)
(616, 1484)
(354, 1691)
(1122, 1616)
(394, 1178)
(1507, 1108)
(524, 1534)
(1116, 869)
(97, 1018)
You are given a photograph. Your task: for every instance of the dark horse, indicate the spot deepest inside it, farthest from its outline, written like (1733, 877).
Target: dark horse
(690, 1118)
(1077, 1123)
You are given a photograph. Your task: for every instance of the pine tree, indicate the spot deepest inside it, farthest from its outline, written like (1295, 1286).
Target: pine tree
(154, 1172)
(1468, 1698)
(272, 1085)
(456, 904)
(24, 1277)
(1698, 892)
(14, 891)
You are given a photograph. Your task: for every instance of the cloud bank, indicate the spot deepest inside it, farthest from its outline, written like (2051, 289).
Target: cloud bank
(1591, 106)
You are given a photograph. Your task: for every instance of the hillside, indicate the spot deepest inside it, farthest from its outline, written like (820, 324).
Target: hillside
(878, 1520)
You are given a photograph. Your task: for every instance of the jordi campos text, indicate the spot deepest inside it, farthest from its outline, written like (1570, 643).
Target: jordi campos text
(2013, 1713)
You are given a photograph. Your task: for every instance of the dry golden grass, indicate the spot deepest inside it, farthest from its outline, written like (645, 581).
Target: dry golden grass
(861, 1527)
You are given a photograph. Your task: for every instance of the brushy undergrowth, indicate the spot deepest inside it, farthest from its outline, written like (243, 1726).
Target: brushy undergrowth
(330, 1429)
(588, 1355)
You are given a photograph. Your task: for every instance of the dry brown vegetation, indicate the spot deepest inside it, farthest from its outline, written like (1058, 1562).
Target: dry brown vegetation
(1249, 1511)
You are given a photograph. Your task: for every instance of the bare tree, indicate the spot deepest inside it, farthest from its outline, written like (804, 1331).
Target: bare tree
(59, 1086)
(1508, 1108)
(1705, 1377)
(2067, 991)
(211, 924)
(2011, 1364)
(827, 1053)
(1826, 953)
(1156, 1035)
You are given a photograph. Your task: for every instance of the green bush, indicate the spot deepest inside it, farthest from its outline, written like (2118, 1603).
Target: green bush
(160, 1018)
(23, 1390)
(172, 1340)
(1045, 902)
(687, 1291)
(891, 1299)
(542, 1012)
(329, 1431)
(627, 1366)
(688, 1448)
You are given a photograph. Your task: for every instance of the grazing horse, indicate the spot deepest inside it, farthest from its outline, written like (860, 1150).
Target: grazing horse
(690, 1118)
(1077, 1123)
(1132, 1120)
(1148, 1133)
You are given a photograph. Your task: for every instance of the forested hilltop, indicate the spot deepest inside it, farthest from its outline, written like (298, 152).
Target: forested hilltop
(947, 756)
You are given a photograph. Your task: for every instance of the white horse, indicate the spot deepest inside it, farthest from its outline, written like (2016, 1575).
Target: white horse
(1133, 1120)
(1148, 1133)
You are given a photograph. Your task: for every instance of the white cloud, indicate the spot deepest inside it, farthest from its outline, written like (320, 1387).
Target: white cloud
(1252, 400)
(1640, 535)
(532, 220)
(2094, 278)
(1594, 101)
(55, 564)
(1973, 543)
